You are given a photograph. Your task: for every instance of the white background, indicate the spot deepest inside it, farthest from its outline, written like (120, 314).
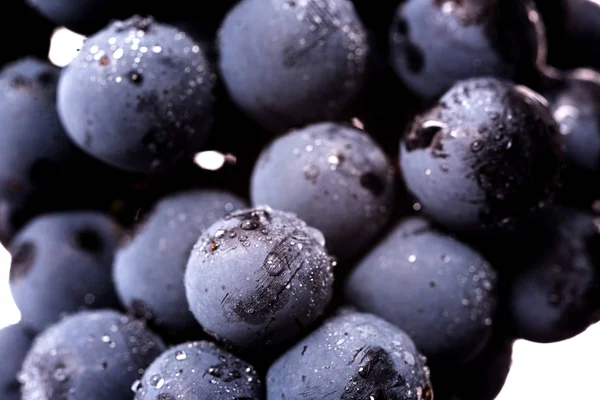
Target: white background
(569, 370)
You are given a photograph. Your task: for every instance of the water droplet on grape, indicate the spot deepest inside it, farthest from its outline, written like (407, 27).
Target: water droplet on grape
(60, 374)
(136, 386)
(311, 172)
(157, 381)
(250, 225)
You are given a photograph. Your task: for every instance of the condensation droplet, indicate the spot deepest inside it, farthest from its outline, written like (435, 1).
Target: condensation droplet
(311, 172)
(118, 54)
(564, 116)
(333, 160)
(136, 386)
(249, 225)
(476, 146)
(213, 246)
(60, 374)
(157, 381)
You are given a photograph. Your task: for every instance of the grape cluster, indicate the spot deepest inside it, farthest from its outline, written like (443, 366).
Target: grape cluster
(297, 199)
